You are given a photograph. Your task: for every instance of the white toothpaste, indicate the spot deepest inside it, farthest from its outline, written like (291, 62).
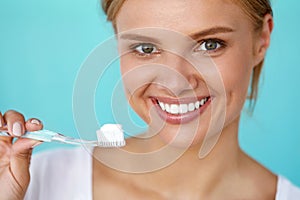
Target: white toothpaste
(111, 135)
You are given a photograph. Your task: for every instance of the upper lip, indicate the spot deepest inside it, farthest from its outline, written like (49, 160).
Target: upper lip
(184, 100)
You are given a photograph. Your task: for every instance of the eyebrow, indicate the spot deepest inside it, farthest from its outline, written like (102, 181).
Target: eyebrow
(130, 36)
(211, 31)
(194, 36)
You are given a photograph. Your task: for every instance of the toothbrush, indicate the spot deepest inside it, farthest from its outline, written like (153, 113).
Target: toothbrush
(109, 135)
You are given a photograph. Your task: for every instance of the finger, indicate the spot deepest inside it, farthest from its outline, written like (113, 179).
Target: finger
(1, 121)
(33, 124)
(4, 128)
(20, 159)
(15, 123)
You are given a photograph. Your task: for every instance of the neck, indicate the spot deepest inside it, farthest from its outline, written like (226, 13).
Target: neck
(224, 168)
(221, 162)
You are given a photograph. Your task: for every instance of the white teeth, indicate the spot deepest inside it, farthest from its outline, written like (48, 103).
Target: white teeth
(174, 109)
(191, 107)
(182, 108)
(202, 102)
(162, 106)
(167, 106)
(197, 104)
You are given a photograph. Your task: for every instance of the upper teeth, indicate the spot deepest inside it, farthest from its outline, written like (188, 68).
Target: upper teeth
(182, 108)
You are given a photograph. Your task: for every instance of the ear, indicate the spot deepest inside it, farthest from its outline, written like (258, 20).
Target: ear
(263, 39)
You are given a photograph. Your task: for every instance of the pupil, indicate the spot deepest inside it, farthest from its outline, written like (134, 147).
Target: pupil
(210, 45)
(147, 49)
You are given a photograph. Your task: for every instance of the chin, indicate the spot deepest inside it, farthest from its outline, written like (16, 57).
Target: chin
(184, 135)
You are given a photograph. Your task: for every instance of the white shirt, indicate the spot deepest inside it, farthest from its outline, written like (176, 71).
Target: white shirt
(67, 174)
(64, 174)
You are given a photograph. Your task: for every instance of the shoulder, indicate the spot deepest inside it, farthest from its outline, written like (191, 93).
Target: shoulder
(287, 190)
(61, 172)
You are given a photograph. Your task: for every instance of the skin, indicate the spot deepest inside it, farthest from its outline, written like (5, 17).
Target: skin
(15, 158)
(227, 172)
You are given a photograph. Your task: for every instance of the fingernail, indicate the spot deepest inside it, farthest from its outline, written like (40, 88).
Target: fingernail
(35, 121)
(17, 129)
(36, 144)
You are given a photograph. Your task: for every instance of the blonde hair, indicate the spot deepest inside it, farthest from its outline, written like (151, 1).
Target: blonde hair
(255, 9)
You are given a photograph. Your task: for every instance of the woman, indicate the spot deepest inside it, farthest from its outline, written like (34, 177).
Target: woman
(186, 68)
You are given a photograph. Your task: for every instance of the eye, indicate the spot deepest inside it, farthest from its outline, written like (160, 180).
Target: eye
(210, 45)
(146, 49)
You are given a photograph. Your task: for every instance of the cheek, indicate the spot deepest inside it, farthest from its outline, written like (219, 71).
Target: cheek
(135, 75)
(236, 73)
(236, 80)
(237, 68)
(136, 79)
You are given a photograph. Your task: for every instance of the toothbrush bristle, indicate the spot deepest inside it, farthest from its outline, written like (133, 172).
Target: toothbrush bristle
(111, 135)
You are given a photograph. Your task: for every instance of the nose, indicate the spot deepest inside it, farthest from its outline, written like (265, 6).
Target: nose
(177, 75)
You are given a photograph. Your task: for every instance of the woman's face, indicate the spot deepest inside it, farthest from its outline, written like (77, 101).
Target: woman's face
(173, 81)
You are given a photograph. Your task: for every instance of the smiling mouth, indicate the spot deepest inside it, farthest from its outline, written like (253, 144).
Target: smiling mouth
(177, 111)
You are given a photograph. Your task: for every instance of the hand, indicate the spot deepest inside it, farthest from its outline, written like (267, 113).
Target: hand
(15, 157)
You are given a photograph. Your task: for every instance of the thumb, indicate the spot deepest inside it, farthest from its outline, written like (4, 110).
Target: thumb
(20, 159)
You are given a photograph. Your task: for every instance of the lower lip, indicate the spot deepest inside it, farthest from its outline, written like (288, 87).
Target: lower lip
(181, 118)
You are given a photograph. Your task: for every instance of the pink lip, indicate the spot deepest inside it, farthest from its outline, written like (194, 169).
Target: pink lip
(180, 118)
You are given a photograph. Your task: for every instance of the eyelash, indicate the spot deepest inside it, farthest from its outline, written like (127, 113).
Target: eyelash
(141, 54)
(220, 45)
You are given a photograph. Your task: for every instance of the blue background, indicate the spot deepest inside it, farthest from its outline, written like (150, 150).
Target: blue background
(44, 43)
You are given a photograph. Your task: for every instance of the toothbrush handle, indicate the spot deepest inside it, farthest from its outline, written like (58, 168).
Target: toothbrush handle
(4, 133)
(42, 135)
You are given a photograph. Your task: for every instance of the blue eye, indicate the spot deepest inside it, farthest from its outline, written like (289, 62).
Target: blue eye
(146, 48)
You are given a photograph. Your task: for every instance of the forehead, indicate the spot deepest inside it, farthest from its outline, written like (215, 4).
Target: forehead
(180, 15)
